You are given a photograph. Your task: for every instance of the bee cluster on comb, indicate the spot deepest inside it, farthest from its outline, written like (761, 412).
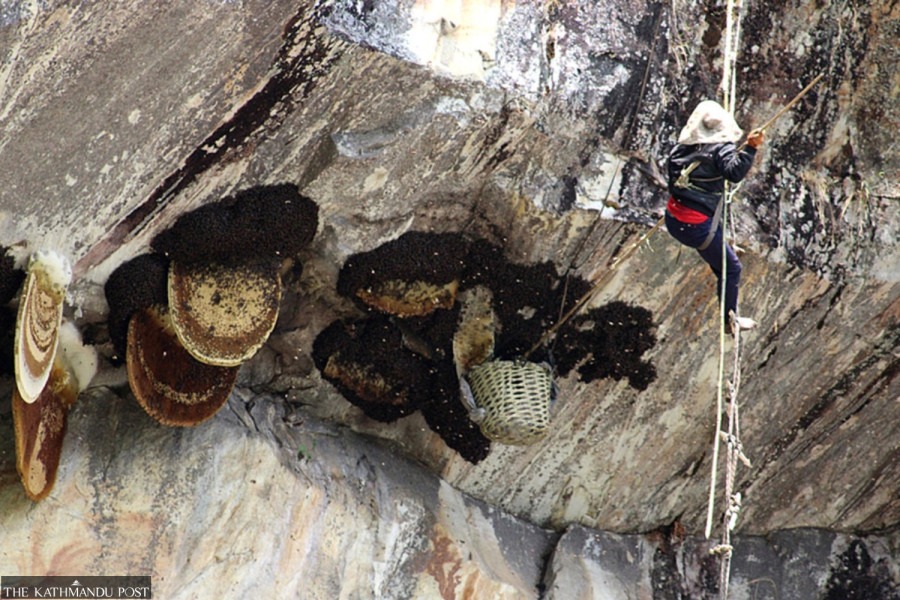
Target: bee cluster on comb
(436, 305)
(186, 316)
(183, 318)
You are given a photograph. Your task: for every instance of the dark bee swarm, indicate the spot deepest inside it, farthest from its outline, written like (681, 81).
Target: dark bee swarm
(371, 369)
(134, 285)
(608, 341)
(259, 223)
(436, 258)
(11, 278)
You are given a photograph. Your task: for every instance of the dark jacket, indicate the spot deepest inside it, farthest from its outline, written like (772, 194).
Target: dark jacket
(707, 182)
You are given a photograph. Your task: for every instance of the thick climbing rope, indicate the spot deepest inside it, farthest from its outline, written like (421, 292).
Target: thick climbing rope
(731, 438)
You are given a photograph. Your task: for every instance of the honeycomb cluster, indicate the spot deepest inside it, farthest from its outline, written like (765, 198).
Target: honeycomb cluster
(411, 291)
(186, 316)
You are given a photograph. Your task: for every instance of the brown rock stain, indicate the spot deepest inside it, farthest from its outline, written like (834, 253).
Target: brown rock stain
(74, 557)
(444, 564)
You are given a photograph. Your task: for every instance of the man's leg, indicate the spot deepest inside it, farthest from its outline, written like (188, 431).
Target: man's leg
(713, 257)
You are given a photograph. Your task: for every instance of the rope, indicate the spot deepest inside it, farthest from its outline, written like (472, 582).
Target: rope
(732, 438)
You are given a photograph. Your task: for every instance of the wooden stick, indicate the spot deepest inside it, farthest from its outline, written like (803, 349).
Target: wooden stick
(603, 279)
(597, 284)
(790, 104)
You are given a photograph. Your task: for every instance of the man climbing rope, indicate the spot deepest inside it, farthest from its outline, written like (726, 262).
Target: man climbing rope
(705, 156)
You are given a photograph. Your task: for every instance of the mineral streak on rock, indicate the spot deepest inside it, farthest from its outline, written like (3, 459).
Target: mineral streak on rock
(303, 57)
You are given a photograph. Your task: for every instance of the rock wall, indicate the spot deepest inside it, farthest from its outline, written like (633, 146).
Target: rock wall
(538, 128)
(264, 499)
(260, 501)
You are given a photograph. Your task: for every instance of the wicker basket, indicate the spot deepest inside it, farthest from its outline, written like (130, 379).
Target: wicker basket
(515, 399)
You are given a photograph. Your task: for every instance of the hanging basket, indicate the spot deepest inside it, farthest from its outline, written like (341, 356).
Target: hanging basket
(513, 400)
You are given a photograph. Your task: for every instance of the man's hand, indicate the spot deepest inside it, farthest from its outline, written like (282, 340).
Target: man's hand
(755, 138)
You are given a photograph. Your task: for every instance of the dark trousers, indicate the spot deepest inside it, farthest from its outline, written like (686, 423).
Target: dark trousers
(692, 236)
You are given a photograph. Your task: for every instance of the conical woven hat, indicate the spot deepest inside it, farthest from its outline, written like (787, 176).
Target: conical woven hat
(710, 124)
(223, 314)
(170, 384)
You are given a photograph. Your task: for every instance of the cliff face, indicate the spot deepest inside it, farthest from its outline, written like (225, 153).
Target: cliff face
(264, 499)
(524, 140)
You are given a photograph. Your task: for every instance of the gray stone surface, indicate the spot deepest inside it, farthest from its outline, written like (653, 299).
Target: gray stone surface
(114, 120)
(259, 501)
(801, 564)
(266, 500)
(101, 104)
